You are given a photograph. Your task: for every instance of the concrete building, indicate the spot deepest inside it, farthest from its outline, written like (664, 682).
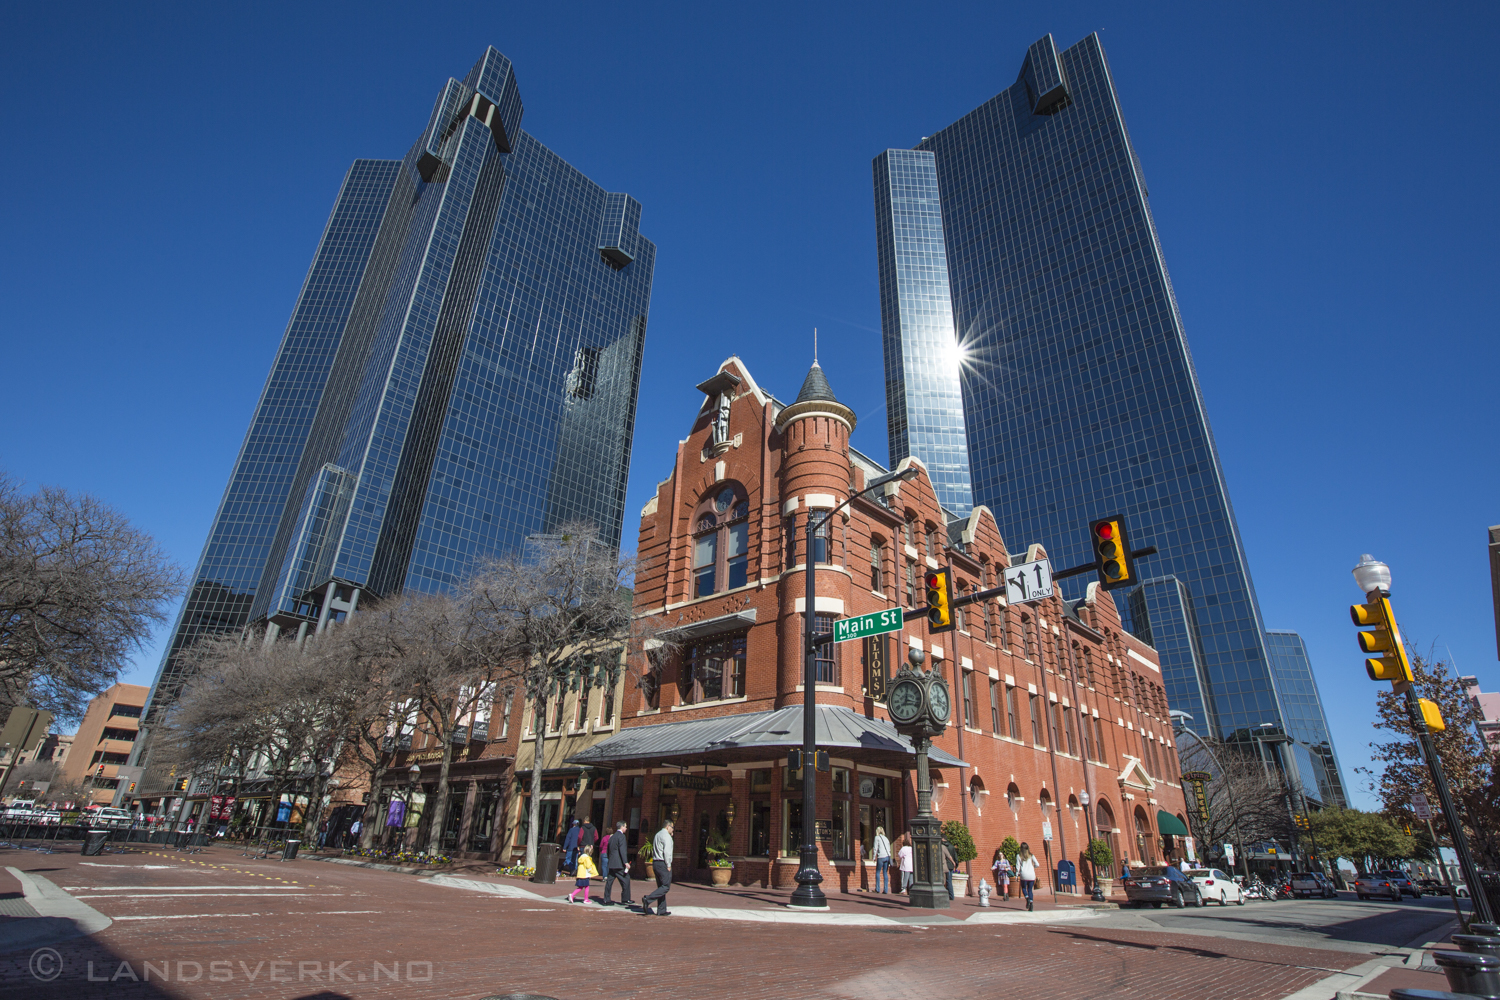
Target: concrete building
(1060, 715)
(104, 741)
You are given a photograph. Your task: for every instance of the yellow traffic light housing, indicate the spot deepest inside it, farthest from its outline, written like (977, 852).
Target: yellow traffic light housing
(939, 601)
(1383, 638)
(1112, 553)
(1432, 715)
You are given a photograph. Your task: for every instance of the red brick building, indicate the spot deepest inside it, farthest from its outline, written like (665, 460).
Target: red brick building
(1054, 704)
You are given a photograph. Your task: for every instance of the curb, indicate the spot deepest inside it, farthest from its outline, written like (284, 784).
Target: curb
(59, 917)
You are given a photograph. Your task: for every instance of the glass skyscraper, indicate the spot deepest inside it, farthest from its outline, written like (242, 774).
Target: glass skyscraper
(1302, 712)
(460, 373)
(1079, 394)
(923, 401)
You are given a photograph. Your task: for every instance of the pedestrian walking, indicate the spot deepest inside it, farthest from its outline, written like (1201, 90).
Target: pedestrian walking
(588, 836)
(586, 871)
(1026, 871)
(950, 865)
(904, 859)
(353, 837)
(661, 865)
(617, 864)
(882, 851)
(570, 849)
(1002, 871)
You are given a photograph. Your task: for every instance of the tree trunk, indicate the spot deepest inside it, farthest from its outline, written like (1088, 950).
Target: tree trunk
(371, 815)
(314, 809)
(534, 810)
(439, 810)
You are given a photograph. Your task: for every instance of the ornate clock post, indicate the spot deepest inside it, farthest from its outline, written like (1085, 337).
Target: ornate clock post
(920, 706)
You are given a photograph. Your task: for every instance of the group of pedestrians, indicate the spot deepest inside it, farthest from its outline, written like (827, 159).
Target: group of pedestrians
(613, 864)
(1024, 870)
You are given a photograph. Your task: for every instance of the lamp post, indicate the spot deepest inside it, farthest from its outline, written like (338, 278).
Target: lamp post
(1096, 894)
(808, 894)
(1373, 577)
(1179, 727)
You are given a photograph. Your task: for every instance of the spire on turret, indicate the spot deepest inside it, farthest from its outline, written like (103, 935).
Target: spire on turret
(816, 387)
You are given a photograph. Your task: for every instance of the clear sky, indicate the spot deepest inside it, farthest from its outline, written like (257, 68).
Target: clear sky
(1323, 178)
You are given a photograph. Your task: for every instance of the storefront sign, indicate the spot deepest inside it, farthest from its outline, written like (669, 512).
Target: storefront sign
(691, 781)
(824, 829)
(875, 668)
(422, 755)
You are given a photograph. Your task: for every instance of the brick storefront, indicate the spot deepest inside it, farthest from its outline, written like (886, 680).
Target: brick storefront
(1054, 704)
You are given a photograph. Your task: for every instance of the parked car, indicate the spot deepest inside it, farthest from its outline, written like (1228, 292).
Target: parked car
(1215, 885)
(1305, 885)
(1402, 881)
(1158, 884)
(1370, 886)
(106, 816)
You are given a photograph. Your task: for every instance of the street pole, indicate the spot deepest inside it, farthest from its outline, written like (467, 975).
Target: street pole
(809, 894)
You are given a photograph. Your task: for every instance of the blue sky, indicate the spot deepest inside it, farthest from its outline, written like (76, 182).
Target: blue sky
(1322, 176)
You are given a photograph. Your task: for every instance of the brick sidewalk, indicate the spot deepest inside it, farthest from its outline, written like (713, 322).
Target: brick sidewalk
(311, 929)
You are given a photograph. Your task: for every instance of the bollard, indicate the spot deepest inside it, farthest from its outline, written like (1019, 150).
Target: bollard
(984, 893)
(1478, 975)
(1489, 930)
(1478, 944)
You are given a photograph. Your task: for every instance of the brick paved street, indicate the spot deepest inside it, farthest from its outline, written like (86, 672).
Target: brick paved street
(219, 925)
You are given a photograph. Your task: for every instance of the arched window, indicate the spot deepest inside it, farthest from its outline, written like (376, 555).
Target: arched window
(1012, 796)
(721, 541)
(978, 794)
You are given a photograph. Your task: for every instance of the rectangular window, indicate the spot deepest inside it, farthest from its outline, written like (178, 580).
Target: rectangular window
(930, 542)
(717, 669)
(1002, 621)
(1071, 731)
(1013, 722)
(705, 563)
(994, 706)
(789, 541)
(510, 700)
(1088, 740)
(1037, 735)
(1026, 636)
(823, 541)
(968, 682)
(958, 613)
(1099, 738)
(581, 715)
(827, 655)
(909, 533)
(877, 556)
(607, 705)
(1053, 709)
(911, 585)
(739, 554)
(558, 697)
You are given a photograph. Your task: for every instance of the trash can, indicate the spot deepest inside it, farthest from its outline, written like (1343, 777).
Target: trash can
(93, 842)
(289, 852)
(546, 864)
(1478, 975)
(1478, 944)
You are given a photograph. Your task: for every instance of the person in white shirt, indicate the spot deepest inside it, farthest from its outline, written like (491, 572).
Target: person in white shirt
(1026, 871)
(881, 848)
(661, 865)
(904, 859)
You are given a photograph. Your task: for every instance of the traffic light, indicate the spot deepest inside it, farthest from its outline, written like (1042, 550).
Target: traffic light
(99, 773)
(1384, 638)
(939, 601)
(1112, 553)
(1432, 715)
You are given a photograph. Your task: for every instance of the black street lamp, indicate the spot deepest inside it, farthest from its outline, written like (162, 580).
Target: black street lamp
(1097, 894)
(808, 894)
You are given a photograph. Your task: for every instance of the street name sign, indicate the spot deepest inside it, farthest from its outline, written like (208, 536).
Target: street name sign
(1029, 581)
(874, 623)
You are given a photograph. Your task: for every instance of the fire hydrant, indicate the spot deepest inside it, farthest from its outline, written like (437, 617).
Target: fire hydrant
(984, 893)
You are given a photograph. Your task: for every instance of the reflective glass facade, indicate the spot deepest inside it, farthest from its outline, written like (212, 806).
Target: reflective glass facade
(1080, 398)
(473, 382)
(1302, 711)
(924, 405)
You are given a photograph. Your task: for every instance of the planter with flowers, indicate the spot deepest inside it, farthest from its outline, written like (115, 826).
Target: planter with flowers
(719, 865)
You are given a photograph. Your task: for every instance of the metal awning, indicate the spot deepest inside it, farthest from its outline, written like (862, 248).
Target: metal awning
(712, 626)
(1170, 825)
(756, 736)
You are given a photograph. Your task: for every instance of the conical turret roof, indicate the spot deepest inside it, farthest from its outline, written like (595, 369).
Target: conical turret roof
(815, 387)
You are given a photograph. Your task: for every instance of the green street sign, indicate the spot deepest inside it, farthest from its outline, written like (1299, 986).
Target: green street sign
(874, 623)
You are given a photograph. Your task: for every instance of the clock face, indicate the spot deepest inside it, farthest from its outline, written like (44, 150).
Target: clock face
(905, 701)
(937, 696)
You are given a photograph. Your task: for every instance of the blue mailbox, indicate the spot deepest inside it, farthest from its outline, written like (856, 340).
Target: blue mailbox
(1067, 875)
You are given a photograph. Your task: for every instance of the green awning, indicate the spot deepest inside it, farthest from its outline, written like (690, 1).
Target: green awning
(1170, 825)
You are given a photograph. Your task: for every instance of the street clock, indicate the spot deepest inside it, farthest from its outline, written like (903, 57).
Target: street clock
(919, 701)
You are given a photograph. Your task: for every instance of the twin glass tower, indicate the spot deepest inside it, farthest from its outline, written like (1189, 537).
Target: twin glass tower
(1036, 361)
(459, 374)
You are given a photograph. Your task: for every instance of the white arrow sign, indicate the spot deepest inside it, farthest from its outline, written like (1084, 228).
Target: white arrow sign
(1026, 582)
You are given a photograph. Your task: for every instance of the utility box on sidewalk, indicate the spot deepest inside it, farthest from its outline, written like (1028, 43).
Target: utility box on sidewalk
(546, 864)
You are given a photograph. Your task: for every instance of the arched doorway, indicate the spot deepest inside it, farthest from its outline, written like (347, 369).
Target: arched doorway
(1145, 847)
(1104, 819)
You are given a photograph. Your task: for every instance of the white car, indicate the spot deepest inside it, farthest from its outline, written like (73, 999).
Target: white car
(1215, 886)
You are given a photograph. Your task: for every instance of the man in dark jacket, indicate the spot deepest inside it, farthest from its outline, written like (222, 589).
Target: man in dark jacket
(588, 836)
(618, 856)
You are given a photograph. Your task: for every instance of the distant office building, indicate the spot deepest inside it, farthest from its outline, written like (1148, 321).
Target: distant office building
(1304, 719)
(460, 372)
(923, 401)
(104, 741)
(1487, 704)
(1080, 398)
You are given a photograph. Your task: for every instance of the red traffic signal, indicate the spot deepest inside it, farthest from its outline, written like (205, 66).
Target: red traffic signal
(1112, 558)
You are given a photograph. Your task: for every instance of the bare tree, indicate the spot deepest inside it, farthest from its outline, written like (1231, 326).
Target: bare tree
(1246, 802)
(555, 618)
(80, 589)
